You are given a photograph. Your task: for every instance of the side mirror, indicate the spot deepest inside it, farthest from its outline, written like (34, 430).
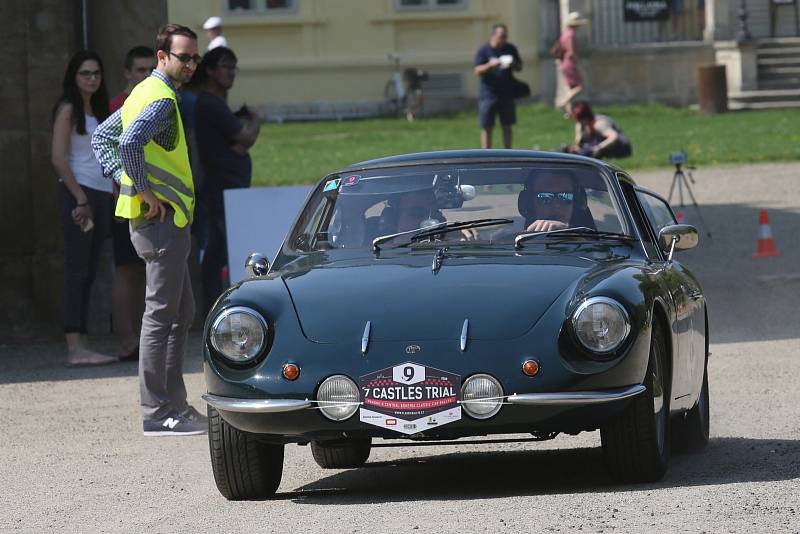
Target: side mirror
(678, 237)
(467, 191)
(256, 265)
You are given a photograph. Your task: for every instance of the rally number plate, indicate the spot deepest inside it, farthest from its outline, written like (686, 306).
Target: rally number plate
(410, 398)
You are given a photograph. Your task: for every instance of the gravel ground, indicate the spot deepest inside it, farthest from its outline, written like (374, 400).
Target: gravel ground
(72, 457)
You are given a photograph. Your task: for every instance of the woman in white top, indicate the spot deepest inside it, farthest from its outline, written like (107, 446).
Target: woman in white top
(84, 196)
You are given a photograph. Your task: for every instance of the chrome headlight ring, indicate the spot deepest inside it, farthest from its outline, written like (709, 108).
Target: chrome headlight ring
(239, 334)
(606, 329)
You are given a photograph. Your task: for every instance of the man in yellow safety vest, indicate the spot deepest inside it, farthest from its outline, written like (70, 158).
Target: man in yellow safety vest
(143, 147)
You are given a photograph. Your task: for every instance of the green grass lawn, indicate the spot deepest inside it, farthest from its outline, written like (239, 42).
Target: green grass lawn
(296, 153)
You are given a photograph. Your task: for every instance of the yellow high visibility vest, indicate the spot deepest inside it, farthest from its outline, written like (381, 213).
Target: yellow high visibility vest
(168, 171)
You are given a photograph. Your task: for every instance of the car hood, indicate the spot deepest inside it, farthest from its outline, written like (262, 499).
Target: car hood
(404, 299)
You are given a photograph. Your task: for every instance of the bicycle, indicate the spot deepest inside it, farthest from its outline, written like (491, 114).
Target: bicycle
(403, 92)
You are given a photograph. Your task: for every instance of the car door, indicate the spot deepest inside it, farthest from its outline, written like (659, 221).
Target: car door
(687, 299)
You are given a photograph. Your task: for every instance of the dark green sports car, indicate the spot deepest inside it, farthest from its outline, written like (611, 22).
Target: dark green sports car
(442, 295)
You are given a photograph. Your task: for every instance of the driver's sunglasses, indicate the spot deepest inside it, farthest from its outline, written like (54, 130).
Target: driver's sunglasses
(186, 58)
(547, 198)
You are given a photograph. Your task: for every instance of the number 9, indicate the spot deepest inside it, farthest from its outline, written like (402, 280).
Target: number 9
(408, 373)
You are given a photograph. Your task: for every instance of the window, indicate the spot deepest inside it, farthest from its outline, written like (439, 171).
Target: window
(640, 220)
(409, 5)
(350, 212)
(657, 211)
(260, 6)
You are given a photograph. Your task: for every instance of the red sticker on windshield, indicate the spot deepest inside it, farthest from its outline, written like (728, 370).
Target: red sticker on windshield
(351, 180)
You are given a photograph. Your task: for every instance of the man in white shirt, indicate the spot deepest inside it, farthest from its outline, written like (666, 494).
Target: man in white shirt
(213, 28)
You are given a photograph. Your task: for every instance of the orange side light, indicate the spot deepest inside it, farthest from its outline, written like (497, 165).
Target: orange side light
(530, 367)
(291, 371)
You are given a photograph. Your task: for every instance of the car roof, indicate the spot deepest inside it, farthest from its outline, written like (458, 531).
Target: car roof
(481, 155)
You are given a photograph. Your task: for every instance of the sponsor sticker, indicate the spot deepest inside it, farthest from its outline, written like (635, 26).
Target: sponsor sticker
(331, 185)
(351, 180)
(410, 397)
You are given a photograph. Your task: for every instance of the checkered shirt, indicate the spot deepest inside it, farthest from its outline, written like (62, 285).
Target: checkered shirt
(117, 150)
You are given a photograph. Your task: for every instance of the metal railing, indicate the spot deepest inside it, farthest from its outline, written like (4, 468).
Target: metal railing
(608, 28)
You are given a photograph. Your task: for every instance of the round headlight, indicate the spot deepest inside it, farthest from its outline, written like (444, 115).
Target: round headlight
(601, 324)
(338, 397)
(481, 396)
(239, 334)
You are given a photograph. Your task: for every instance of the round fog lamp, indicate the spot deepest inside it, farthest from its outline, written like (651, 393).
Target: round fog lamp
(338, 397)
(481, 396)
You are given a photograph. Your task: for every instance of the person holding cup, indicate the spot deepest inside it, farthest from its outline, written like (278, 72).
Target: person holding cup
(494, 62)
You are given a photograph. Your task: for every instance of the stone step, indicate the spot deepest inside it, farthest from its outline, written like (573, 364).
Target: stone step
(779, 62)
(740, 106)
(777, 42)
(779, 85)
(774, 95)
(774, 71)
(783, 53)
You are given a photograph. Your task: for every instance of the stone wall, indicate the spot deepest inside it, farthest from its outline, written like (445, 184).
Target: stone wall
(39, 38)
(663, 72)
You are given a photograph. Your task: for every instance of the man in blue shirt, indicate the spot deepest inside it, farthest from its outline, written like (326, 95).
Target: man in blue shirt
(223, 139)
(494, 62)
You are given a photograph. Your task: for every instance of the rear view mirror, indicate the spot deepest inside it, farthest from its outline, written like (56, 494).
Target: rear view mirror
(678, 237)
(256, 265)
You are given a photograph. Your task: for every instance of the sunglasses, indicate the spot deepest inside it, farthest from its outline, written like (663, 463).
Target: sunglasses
(90, 74)
(186, 58)
(563, 197)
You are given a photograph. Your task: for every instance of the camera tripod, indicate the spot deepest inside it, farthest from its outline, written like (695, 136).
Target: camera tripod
(679, 177)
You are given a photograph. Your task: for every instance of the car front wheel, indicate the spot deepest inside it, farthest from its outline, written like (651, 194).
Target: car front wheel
(244, 468)
(636, 443)
(341, 455)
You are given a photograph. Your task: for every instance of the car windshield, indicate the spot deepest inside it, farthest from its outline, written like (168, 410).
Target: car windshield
(388, 207)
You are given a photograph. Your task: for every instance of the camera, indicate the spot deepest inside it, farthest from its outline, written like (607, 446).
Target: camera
(677, 158)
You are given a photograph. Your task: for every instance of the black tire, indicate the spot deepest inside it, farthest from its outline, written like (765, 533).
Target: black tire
(636, 443)
(341, 455)
(690, 430)
(244, 468)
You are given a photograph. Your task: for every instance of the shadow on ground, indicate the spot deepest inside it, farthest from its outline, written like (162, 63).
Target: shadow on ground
(498, 474)
(749, 299)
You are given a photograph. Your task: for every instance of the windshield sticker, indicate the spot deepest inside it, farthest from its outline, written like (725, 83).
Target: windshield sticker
(331, 185)
(351, 180)
(409, 398)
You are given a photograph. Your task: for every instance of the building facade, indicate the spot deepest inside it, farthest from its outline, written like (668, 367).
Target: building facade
(314, 57)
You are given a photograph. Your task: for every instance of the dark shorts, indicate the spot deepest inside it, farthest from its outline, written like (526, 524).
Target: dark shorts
(124, 253)
(489, 108)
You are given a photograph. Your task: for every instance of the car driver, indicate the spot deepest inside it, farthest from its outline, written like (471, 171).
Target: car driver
(553, 197)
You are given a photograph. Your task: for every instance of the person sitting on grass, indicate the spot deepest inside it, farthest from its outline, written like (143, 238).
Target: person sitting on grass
(597, 136)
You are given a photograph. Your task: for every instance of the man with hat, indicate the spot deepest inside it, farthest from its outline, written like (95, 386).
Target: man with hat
(213, 28)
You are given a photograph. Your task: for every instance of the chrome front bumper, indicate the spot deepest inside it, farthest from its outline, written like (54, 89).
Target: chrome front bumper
(571, 398)
(575, 398)
(230, 404)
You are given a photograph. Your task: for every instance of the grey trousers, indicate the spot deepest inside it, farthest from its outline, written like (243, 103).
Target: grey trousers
(168, 314)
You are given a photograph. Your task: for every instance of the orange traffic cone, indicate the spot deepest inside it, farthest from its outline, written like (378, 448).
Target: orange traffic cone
(765, 247)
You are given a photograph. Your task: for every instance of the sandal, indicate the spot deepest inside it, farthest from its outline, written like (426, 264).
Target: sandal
(92, 360)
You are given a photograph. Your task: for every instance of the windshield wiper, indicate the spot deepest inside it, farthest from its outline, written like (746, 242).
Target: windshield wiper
(458, 225)
(439, 228)
(568, 232)
(388, 237)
